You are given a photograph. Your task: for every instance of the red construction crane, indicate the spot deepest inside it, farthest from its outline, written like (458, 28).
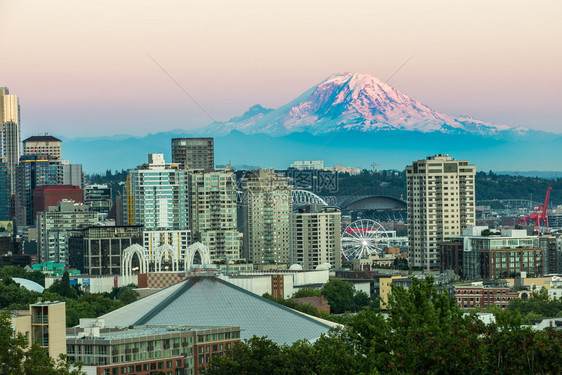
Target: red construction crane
(539, 216)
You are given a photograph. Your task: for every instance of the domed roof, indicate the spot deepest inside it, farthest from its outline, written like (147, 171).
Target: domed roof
(29, 285)
(323, 266)
(295, 267)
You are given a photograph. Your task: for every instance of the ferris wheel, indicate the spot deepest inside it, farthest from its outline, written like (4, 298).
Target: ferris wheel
(363, 238)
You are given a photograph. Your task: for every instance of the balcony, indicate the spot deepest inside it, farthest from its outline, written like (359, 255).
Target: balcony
(40, 319)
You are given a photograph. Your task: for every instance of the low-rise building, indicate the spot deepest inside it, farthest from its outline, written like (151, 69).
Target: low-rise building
(145, 350)
(44, 324)
(478, 296)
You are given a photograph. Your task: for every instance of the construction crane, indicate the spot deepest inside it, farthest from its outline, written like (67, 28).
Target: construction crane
(374, 166)
(539, 216)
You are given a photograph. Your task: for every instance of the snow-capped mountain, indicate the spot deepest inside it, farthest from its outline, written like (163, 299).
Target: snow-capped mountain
(352, 101)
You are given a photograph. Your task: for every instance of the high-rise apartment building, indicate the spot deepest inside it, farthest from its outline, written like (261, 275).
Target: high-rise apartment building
(266, 205)
(43, 145)
(214, 213)
(157, 195)
(193, 153)
(54, 226)
(440, 204)
(10, 130)
(315, 236)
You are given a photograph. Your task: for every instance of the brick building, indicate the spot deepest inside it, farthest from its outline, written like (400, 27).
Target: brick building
(474, 296)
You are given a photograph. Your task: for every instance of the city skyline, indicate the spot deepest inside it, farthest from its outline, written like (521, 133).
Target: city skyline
(495, 62)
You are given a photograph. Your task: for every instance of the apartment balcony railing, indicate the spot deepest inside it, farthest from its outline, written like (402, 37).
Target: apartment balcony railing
(40, 319)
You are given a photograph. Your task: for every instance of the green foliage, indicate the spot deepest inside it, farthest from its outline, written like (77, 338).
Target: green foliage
(128, 296)
(426, 332)
(15, 297)
(15, 271)
(342, 296)
(16, 358)
(78, 304)
(64, 286)
(538, 305)
(307, 291)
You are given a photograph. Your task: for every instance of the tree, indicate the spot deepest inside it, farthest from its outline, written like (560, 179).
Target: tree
(426, 332)
(16, 358)
(128, 296)
(307, 291)
(339, 295)
(64, 286)
(15, 271)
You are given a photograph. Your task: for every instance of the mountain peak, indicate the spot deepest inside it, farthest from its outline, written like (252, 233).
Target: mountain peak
(354, 101)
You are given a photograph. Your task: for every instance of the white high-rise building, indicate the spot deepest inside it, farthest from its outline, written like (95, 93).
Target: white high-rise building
(10, 130)
(157, 196)
(440, 204)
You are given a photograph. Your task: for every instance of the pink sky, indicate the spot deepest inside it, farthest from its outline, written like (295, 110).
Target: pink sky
(81, 67)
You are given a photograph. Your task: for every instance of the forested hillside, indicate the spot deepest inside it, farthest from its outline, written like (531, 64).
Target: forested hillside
(489, 185)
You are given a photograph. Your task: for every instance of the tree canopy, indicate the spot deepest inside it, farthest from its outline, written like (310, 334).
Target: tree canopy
(17, 358)
(425, 332)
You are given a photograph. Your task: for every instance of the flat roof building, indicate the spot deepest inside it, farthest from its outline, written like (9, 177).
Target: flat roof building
(43, 145)
(193, 153)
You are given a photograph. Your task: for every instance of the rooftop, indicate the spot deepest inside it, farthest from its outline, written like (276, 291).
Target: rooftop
(209, 301)
(138, 331)
(42, 138)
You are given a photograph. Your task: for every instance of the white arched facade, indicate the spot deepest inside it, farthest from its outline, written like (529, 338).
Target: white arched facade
(163, 251)
(190, 255)
(127, 260)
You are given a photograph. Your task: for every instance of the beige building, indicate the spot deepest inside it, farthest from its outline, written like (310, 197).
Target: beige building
(10, 132)
(44, 324)
(266, 205)
(440, 204)
(43, 145)
(316, 237)
(214, 213)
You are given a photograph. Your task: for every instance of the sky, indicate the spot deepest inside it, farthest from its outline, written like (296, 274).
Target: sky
(85, 68)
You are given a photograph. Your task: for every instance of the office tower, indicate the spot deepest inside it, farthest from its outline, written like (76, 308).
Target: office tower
(35, 171)
(193, 153)
(11, 131)
(98, 250)
(43, 145)
(315, 236)
(98, 197)
(440, 204)
(266, 205)
(5, 194)
(157, 195)
(214, 213)
(54, 226)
